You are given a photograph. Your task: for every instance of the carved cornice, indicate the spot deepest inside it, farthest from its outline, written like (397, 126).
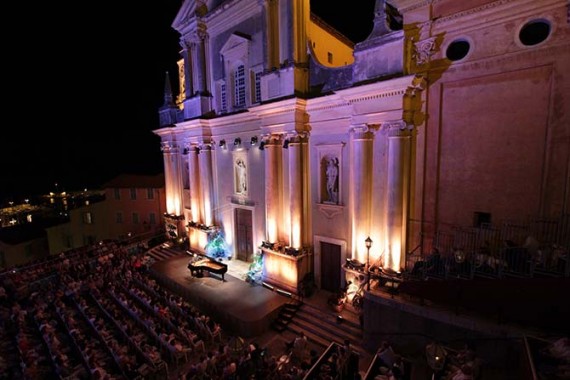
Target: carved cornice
(471, 11)
(377, 96)
(423, 50)
(397, 128)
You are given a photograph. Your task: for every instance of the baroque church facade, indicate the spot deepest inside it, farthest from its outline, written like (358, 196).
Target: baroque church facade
(290, 140)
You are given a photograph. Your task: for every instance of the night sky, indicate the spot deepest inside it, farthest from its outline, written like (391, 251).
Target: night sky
(85, 84)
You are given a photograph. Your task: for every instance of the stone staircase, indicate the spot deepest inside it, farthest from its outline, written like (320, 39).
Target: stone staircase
(160, 253)
(323, 327)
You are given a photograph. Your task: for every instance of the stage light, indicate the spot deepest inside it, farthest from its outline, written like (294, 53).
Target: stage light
(197, 150)
(268, 286)
(254, 140)
(262, 145)
(223, 144)
(286, 144)
(237, 141)
(284, 293)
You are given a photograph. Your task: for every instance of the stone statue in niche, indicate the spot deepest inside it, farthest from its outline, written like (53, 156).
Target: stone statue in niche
(241, 176)
(331, 174)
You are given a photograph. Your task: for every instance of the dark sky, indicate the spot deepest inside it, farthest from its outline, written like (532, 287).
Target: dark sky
(84, 86)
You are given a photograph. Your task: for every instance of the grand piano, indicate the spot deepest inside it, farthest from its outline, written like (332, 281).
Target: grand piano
(201, 263)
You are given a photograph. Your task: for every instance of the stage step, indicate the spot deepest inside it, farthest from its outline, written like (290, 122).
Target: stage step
(324, 327)
(286, 314)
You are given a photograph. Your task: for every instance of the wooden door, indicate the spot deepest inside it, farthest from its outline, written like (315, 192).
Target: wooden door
(244, 234)
(330, 267)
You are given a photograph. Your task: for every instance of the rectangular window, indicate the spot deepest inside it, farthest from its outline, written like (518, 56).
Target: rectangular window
(223, 98)
(152, 218)
(257, 87)
(119, 218)
(117, 194)
(133, 194)
(329, 57)
(150, 193)
(239, 86)
(87, 218)
(135, 218)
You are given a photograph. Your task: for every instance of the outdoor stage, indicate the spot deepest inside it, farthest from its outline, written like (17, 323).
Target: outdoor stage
(241, 308)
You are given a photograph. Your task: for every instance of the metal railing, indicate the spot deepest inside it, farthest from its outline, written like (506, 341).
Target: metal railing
(532, 248)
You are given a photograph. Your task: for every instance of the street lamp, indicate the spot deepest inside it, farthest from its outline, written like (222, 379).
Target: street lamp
(368, 242)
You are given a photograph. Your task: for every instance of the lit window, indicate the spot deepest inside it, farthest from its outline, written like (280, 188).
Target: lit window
(133, 194)
(87, 218)
(119, 218)
(223, 98)
(152, 218)
(117, 194)
(329, 57)
(257, 87)
(239, 86)
(150, 193)
(135, 218)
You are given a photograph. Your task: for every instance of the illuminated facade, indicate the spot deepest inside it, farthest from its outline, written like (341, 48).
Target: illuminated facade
(286, 144)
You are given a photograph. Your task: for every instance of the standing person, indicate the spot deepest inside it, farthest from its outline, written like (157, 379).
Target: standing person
(300, 346)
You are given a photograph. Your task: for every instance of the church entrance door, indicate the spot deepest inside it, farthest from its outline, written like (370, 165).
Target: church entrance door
(244, 234)
(330, 267)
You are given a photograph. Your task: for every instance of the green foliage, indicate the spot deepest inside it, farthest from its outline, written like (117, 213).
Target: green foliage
(255, 269)
(217, 247)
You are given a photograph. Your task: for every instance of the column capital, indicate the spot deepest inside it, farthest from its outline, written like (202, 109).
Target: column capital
(296, 137)
(200, 34)
(397, 128)
(185, 43)
(168, 147)
(363, 131)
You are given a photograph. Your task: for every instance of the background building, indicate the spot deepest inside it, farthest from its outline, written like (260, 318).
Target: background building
(450, 118)
(135, 204)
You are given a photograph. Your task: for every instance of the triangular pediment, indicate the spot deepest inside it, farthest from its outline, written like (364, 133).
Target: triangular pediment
(234, 41)
(189, 10)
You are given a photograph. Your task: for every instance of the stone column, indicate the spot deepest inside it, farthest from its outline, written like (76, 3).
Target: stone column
(198, 60)
(296, 191)
(172, 178)
(206, 180)
(361, 181)
(194, 179)
(399, 134)
(271, 18)
(273, 209)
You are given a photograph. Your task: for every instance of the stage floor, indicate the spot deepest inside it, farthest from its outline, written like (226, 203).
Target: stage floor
(242, 309)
